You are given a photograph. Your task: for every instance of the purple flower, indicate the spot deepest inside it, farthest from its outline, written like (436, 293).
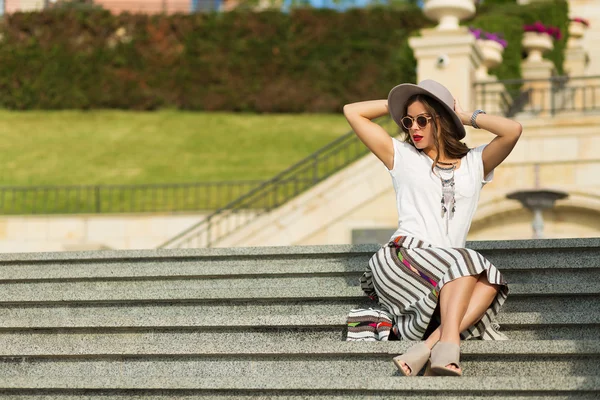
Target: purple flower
(502, 42)
(496, 37)
(554, 32)
(581, 20)
(535, 27)
(476, 32)
(541, 28)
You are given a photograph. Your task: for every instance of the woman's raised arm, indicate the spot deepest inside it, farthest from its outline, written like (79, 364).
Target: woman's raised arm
(507, 134)
(359, 116)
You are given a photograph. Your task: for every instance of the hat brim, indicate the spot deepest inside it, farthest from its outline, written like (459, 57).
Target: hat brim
(399, 96)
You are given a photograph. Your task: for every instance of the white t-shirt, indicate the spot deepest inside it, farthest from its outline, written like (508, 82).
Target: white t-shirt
(419, 194)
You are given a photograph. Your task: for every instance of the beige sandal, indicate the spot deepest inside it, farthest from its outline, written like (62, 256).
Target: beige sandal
(444, 354)
(415, 358)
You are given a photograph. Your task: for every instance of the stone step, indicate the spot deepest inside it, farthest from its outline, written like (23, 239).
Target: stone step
(273, 261)
(288, 279)
(563, 303)
(552, 332)
(296, 394)
(554, 318)
(269, 323)
(302, 387)
(167, 315)
(239, 269)
(155, 291)
(244, 328)
(180, 313)
(58, 314)
(312, 359)
(324, 334)
(159, 344)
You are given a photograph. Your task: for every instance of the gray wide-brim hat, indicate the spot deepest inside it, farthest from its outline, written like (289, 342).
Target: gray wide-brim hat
(400, 94)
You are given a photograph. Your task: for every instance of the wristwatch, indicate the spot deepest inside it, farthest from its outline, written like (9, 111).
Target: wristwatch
(474, 118)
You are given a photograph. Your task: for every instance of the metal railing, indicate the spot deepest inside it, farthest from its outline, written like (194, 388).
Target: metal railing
(121, 198)
(539, 96)
(276, 191)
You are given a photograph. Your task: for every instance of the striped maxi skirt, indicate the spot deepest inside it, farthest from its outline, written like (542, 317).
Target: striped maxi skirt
(406, 276)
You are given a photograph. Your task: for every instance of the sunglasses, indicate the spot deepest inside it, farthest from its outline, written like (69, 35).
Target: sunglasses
(408, 121)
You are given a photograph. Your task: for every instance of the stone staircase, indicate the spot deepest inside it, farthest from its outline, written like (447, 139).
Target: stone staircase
(269, 323)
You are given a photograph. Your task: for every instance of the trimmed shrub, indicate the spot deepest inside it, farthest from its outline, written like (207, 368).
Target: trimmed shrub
(509, 18)
(309, 60)
(305, 61)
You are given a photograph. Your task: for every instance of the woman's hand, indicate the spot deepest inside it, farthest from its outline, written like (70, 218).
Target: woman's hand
(465, 118)
(507, 134)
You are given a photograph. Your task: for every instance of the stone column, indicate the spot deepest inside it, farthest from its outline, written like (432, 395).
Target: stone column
(489, 93)
(536, 68)
(576, 62)
(448, 53)
(576, 56)
(540, 90)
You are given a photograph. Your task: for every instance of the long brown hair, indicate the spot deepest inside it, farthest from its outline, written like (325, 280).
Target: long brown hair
(453, 147)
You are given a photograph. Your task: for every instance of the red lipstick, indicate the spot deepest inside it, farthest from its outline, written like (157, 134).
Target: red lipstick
(417, 138)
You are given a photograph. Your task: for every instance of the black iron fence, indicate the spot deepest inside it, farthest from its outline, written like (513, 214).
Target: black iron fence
(539, 96)
(121, 198)
(276, 191)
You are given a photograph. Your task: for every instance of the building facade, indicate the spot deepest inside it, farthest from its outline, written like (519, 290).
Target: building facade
(119, 6)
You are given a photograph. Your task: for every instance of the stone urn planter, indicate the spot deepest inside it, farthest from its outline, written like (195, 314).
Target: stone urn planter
(448, 13)
(491, 51)
(536, 44)
(577, 28)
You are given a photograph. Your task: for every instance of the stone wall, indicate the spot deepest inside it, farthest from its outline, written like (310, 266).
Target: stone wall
(90, 232)
(147, 6)
(11, 6)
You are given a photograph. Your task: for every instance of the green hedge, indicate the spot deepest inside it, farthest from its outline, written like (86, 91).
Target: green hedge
(308, 60)
(508, 17)
(305, 61)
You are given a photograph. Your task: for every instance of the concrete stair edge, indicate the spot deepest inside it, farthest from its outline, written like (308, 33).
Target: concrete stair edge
(506, 245)
(225, 270)
(311, 383)
(60, 293)
(508, 319)
(151, 344)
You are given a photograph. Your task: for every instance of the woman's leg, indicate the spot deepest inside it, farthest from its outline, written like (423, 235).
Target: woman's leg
(482, 296)
(453, 303)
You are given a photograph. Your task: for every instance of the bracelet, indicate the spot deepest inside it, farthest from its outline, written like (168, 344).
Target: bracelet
(474, 118)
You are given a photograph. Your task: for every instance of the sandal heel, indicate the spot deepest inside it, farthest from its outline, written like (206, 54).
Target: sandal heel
(428, 371)
(443, 354)
(415, 358)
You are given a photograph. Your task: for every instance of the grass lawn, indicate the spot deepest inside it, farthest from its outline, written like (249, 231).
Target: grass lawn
(122, 147)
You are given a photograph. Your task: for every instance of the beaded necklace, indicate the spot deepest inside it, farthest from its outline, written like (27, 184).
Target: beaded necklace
(446, 175)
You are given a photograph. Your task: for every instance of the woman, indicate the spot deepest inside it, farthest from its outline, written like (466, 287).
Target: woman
(425, 268)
